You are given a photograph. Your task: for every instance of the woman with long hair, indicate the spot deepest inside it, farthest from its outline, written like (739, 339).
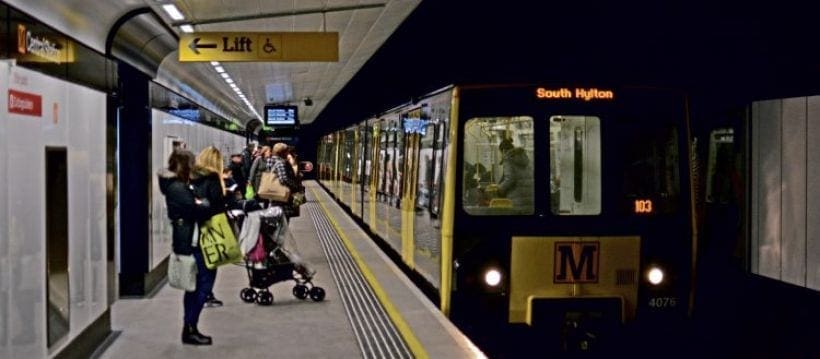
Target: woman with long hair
(209, 186)
(184, 209)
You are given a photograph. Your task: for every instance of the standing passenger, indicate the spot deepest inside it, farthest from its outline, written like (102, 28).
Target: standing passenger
(247, 160)
(208, 185)
(516, 182)
(183, 210)
(284, 171)
(263, 163)
(237, 173)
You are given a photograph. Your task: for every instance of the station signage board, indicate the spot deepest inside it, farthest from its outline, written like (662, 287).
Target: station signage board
(259, 46)
(36, 47)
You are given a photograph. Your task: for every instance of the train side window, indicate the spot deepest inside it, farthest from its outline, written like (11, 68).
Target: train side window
(498, 166)
(575, 165)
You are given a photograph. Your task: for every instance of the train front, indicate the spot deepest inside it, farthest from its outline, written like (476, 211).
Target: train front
(573, 214)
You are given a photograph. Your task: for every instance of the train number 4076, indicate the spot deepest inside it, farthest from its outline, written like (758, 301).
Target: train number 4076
(663, 302)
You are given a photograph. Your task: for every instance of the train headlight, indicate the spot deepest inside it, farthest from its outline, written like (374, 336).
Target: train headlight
(492, 277)
(655, 276)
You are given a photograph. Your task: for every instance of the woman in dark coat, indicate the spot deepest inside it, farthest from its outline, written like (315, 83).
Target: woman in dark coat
(184, 209)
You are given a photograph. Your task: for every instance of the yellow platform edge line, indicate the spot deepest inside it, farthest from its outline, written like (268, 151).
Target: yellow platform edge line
(395, 316)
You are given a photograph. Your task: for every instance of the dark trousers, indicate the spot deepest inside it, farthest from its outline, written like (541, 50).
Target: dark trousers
(194, 301)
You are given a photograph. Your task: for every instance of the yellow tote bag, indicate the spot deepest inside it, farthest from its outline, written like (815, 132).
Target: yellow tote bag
(218, 242)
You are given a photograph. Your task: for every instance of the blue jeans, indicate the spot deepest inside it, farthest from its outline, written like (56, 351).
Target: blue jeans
(194, 301)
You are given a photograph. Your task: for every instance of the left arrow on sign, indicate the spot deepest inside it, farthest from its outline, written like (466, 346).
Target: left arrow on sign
(195, 46)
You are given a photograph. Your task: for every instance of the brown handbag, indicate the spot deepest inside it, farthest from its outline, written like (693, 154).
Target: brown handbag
(271, 189)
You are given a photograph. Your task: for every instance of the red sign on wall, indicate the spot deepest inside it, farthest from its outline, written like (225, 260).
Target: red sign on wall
(25, 103)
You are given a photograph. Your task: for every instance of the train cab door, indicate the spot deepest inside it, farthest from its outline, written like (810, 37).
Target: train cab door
(411, 123)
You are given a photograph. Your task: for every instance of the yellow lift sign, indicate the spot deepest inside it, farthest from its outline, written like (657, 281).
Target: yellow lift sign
(259, 46)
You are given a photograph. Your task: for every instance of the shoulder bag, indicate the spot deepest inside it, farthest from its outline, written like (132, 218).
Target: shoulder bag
(182, 272)
(218, 242)
(271, 189)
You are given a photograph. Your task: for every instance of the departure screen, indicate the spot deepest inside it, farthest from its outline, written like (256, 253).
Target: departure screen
(281, 115)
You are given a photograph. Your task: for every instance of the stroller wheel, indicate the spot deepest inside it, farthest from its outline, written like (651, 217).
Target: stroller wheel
(248, 295)
(300, 291)
(317, 294)
(265, 298)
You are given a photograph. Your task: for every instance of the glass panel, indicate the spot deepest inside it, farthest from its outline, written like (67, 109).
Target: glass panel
(384, 174)
(721, 165)
(575, 165)
(498, 171)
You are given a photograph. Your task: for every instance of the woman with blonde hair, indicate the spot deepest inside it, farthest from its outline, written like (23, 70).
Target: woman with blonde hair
(210, 188)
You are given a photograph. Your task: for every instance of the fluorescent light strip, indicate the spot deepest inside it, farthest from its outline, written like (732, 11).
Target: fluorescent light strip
(229, 80)
(214, 63)
(186, 28)
(225, 75)
(173, 12)
(219, 69)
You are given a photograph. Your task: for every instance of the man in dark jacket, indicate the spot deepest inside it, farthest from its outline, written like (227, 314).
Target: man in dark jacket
(516, 183)
(238, 173)
(247, 160)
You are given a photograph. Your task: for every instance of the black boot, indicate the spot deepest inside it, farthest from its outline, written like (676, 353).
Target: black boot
(211, 301)
(190, 335)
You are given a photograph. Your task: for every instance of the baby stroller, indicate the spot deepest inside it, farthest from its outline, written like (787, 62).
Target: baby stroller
(269, 262)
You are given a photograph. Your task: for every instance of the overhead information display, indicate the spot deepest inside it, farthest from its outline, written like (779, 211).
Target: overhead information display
(259, 46)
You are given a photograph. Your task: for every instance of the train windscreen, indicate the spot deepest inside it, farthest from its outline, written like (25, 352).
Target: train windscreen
(498, 166)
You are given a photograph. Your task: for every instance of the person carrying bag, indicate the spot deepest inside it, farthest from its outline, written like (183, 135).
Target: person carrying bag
(272, 189)
(183, 269)
(280, 182)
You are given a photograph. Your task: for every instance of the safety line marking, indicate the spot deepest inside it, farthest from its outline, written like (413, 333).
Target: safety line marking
(407, 333)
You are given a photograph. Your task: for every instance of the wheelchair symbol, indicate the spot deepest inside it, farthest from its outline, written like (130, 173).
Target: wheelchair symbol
(268, 47)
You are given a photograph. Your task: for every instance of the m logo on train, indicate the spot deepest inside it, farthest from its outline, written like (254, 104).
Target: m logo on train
(576, 262)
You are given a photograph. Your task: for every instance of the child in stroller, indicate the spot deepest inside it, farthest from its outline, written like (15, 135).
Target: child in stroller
(268, 261)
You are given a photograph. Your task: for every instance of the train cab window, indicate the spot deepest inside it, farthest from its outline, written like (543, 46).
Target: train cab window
(575, 165)
(651, 170)
(498, 166)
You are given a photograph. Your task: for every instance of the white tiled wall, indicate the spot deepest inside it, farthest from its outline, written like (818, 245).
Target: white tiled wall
(196, 137)
(786, 190)
(72, 117)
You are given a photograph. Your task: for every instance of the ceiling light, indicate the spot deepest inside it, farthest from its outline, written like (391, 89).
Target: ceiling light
(229, 80)
(186, 28)
(219, 69)
(173, 12)
(225, 75)
(214, 63)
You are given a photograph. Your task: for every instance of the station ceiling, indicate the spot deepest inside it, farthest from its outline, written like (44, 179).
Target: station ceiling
(391, 50)
(363, 26)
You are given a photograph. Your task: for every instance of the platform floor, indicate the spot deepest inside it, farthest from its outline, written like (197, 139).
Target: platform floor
(294, 328)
